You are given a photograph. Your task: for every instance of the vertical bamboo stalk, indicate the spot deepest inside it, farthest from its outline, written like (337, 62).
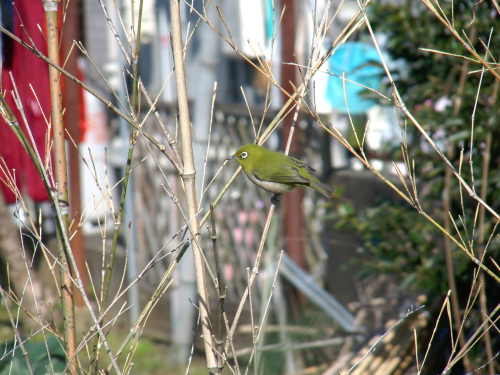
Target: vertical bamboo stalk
(126, 187)
(220, 288)
(450, 154)
(188, 176)
(60, 169)
(481, 229)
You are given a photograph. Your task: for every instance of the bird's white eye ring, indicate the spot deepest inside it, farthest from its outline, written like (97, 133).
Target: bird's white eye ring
(244, 154)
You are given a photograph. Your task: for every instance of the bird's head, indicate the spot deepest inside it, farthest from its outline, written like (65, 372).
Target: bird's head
(247, 154)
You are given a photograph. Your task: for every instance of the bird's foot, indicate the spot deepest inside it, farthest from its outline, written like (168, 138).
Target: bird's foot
(275, 200)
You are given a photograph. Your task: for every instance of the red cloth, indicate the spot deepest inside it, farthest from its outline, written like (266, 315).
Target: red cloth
(31, 78)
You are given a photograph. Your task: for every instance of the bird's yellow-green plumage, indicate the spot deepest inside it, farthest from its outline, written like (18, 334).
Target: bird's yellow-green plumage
(276, 172)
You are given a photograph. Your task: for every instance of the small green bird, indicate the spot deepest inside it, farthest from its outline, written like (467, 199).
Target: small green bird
(276, 172)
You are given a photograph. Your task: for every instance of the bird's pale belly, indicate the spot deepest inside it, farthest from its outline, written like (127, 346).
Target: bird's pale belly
(272, 187)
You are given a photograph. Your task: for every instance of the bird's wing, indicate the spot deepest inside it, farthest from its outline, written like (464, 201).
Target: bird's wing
(285, 174)
(300, 163)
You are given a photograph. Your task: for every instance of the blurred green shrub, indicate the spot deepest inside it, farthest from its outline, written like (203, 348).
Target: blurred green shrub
(46, 357)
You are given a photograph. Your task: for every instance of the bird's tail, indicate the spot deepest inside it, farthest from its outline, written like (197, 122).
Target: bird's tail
(323, 188)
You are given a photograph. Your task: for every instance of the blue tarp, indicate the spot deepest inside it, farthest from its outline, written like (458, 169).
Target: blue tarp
(360, 63)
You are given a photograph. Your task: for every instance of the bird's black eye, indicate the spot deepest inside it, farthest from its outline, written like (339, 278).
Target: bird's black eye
(244, 154)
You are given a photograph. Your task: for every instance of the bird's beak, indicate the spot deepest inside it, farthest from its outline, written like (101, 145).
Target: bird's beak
(231, 157)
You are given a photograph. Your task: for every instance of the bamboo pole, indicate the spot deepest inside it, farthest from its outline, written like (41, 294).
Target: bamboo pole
(188, 177)
(61, 178)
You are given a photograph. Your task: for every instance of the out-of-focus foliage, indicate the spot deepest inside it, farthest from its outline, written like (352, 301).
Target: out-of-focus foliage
(396, 240)
(456, 103)
(443, 92)
(44, 358)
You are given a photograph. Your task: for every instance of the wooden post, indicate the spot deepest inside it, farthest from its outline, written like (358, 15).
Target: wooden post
(293, 217)
(72, 113)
